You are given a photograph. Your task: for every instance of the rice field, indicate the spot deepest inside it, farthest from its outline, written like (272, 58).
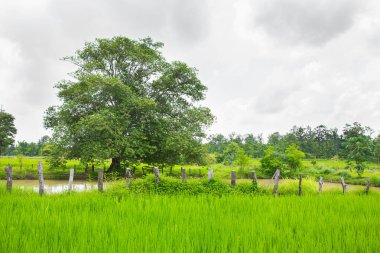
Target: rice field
(120, 221)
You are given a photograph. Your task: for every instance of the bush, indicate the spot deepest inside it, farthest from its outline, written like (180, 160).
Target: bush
(172, 186)
(272, 161)
(344, 174)
(328, 171)
(289, 162)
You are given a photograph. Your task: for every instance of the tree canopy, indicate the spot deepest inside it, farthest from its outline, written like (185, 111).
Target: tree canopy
(126, 102)
(7, 130)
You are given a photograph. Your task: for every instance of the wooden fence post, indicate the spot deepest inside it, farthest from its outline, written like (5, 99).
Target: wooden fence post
(320, 184)
(300, 186)
(344, 185)
(233, 177)
(100, 180)
(156, 174)
(71, 179)
(183, 170)
(276, 179)
(128, 177)
(41, 179)
(210, 174)
(367, 185)
(8, 170)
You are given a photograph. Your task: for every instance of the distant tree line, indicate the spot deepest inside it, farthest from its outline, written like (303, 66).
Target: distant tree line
(355, 143)
(39, 148)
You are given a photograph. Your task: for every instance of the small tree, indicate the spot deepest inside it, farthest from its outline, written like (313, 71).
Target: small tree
(294, 157)
(376, 148)
(230, 153)
(289, 162)
(271, 161)
(242, 160)
(359, 150)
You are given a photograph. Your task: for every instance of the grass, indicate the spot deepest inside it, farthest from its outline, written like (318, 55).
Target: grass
(116, 221)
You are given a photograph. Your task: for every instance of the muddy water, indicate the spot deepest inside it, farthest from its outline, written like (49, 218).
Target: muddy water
(55, 186)
(58, 186)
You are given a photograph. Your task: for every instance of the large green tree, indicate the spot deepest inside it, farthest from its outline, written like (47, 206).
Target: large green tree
(7, 130)
(127, 103)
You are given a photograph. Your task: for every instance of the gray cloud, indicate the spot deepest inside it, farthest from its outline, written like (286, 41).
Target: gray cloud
(307, 21)
(257, 83)
(46, 31)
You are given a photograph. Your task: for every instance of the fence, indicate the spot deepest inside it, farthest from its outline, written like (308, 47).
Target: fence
(156, 172)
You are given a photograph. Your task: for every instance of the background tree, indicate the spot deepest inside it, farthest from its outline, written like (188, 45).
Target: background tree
(7, 130)
(242, 160)
(28, 148)
(294, 157)
(217, 143)
(288, 161)
(272, 160)
(128, 103)
(358, 145)
(254, 146)
(230, 153)
(376, 149)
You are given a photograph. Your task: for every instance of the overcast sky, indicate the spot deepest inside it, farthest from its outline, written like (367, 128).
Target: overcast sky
(268, 64)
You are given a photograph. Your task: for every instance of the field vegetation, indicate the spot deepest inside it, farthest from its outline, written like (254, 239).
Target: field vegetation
(133, 221)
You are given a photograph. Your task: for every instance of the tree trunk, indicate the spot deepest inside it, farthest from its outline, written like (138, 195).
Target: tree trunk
(115, 164)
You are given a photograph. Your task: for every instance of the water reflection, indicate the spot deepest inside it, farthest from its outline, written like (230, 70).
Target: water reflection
(56, 186)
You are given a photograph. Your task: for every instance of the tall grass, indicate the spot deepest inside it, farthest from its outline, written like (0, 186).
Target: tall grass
(114, 222)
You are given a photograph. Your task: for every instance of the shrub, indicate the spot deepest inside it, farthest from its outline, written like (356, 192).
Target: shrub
(172, 186)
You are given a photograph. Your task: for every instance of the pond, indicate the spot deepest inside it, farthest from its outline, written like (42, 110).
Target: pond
(58, 186)
(55, 186)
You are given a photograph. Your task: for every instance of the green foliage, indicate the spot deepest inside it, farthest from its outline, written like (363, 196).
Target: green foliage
(319, 142)
(7, 130)
(29, 148)
(230, 153)
(294, 157)
(289, 162)
(217, 143)
(173, 186)
(376, 149)
(242, 160)
(358, 146)
(128, 103)
(272, 160)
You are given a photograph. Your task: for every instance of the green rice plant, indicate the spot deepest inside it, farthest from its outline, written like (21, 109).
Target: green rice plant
(290, 187)
(121, 221)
